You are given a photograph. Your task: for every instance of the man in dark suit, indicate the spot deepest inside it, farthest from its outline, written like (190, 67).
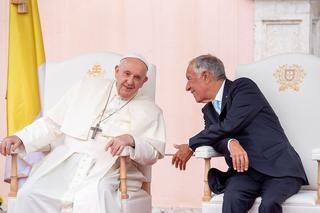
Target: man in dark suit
(240, 124)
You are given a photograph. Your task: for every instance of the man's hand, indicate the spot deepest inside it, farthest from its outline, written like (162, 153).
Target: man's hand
(239, 156)
(182, 156)
(9, 144)
(118, 143)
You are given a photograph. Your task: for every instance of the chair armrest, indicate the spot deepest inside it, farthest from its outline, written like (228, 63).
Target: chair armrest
(316, 154)
(206, 152)
(14, 175)
(123, 172)
(126, 151)
(45, 149)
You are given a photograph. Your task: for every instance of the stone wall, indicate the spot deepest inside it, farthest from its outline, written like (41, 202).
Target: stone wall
(286, 26)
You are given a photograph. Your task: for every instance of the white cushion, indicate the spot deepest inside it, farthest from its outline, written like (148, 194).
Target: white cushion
(316, 154)
(206, 152)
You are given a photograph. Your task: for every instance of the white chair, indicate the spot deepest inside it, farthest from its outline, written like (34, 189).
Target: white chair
(59, 78)
(290, 83)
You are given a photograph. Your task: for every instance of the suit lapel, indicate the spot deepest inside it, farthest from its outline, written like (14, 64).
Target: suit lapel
(225, 95)
(210, 112)
(208, 108)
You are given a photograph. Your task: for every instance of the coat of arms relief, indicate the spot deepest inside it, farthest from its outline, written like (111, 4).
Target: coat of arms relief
(289, 76)
(96, 70)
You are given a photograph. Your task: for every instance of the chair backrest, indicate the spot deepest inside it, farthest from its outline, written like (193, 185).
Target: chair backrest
(291, 84)
(63, 75)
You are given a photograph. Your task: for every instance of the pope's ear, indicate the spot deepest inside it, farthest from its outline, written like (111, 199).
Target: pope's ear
(145, 79)
(116, 69)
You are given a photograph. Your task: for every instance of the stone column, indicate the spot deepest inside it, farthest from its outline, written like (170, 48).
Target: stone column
(315, 28)
(283, 26)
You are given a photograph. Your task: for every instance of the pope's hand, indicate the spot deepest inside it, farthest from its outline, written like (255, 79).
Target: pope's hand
(182, 156)
(239, 156)
(10, 144)
(117, 144)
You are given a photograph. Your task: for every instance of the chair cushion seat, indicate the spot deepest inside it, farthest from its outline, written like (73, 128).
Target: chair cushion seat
(303, 198)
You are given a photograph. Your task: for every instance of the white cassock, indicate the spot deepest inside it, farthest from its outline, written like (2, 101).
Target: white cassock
(78, 175)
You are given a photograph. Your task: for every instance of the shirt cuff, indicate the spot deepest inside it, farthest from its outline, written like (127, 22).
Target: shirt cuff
(229, 143)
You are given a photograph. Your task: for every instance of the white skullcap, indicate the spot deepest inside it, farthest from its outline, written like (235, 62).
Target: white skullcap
(137, 56)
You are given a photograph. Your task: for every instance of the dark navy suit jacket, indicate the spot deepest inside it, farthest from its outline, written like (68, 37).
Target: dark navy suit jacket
(248, 117)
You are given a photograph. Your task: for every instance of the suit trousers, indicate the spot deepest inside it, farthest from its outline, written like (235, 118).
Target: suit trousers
(243, 188)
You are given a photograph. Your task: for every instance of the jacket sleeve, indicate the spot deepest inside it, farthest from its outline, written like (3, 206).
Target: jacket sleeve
(246, 102)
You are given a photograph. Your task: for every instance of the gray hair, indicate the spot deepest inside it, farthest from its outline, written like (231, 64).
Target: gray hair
(210, 63)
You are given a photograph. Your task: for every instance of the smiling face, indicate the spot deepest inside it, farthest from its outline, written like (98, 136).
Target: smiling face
(202, 86)
(196, 85)
(130, 75)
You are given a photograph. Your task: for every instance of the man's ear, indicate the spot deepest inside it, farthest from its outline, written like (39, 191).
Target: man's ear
(205, 75)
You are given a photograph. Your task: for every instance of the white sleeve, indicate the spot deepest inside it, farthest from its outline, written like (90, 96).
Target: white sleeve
(149, 135)
(144, 153)
(39, 134)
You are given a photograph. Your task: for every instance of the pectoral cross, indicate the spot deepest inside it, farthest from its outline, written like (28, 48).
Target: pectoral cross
(95, 130)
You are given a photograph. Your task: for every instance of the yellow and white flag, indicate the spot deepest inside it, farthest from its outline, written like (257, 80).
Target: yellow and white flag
(26, 71)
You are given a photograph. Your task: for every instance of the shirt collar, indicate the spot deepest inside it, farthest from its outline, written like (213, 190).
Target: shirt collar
(220, 93)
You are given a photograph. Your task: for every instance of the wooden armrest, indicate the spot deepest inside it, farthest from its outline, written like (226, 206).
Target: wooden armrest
(123, 172)
(206, 152)
(123, 178)
(318, 183)
(14, 175)
(45, 149)
(126, 151)
(125, 154)
(316, 156)
(206, 190)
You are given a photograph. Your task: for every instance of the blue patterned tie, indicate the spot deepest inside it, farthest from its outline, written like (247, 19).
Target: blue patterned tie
(217, 106)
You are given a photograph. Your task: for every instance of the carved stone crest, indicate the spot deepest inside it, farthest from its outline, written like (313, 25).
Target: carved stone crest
(289, 76)
(95, 70)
